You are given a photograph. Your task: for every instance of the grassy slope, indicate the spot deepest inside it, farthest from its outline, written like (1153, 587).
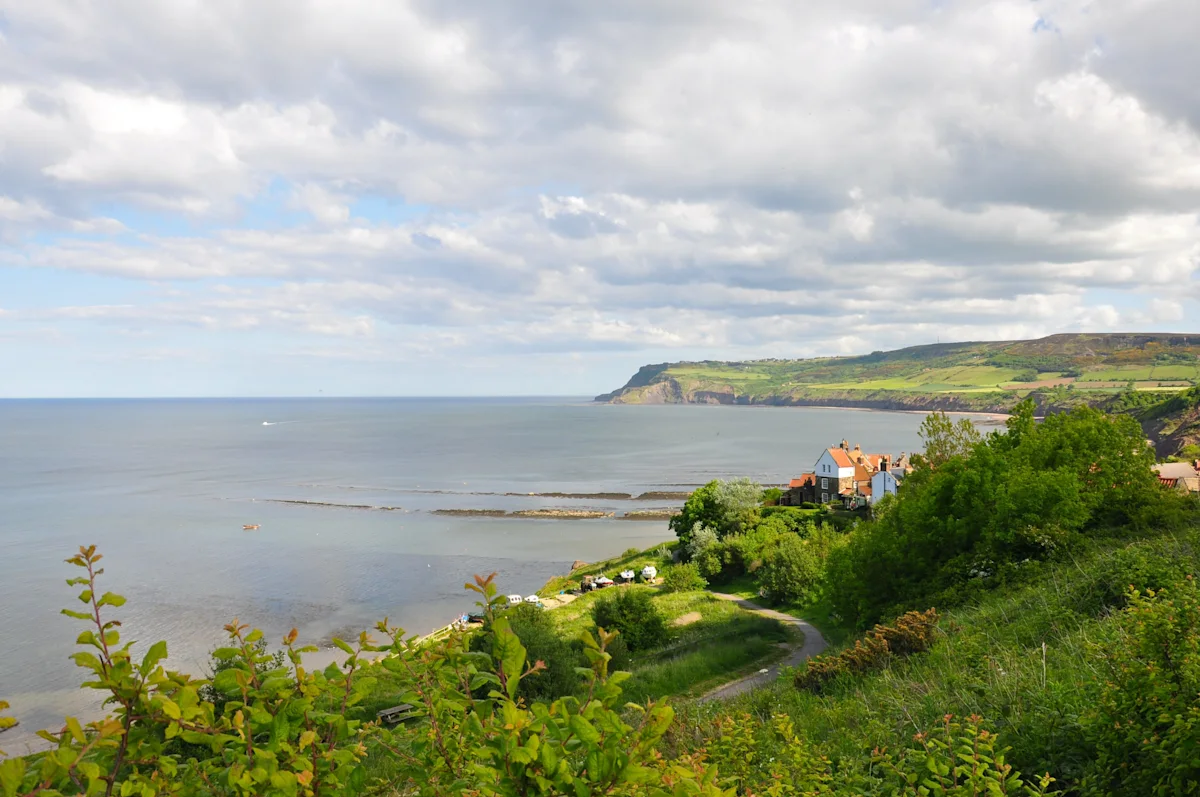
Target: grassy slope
(990, 661)
(723, 644)
(960, 375)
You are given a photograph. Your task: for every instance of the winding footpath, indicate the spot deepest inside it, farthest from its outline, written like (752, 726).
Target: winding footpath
(812, 645)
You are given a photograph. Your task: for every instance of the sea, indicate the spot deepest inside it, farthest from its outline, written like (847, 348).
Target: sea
(163, 488)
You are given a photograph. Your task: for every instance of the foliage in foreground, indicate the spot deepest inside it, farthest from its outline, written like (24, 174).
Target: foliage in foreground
(286, 731)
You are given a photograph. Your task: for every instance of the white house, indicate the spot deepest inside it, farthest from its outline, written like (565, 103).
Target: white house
(883, 483)
(834, 472)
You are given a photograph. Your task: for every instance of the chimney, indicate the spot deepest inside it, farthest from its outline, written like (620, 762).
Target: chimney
(845, 446)
(857, 447)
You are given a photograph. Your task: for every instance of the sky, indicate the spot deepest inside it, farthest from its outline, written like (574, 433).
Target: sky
(401, 197)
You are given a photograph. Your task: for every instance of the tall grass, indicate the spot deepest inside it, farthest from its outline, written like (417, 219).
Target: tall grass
(1026, 658)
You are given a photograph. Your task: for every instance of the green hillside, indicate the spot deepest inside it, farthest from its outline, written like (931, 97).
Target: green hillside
(1060, 370)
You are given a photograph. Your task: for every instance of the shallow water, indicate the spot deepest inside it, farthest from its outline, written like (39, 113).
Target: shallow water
(164, 488)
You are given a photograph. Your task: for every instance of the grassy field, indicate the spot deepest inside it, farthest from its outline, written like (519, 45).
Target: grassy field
(1026, 658)
(967, 370)
(633, 559)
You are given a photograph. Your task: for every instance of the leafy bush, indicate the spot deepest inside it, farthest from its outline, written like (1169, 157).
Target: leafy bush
(287, 733)
(262, 662)
(542, 643)
(912, 633)
(960, 761)
(631, 612)
(1146, 724)
(683, 578)
(791, 570)
(1018, 495)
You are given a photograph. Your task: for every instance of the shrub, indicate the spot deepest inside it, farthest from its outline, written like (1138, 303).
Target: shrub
(791, 571)
(1146, 724)
(631, 612)
(959, 761)
(290, 735)
(261, 661)
(912, 633)
(683, 578)
(542, 643)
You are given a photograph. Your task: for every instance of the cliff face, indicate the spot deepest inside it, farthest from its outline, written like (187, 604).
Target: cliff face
(1059, 372)
(669, 391)
(1174, 425)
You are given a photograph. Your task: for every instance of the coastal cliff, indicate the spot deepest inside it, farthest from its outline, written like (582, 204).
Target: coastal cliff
(1058, 372)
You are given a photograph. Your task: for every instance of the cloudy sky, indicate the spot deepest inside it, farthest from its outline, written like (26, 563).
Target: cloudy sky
(293, 197)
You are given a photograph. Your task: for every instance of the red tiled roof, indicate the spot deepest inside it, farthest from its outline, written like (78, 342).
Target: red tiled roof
(865, 490)
(862, 474)
(841, 458)
(847, 491)
(804, 480)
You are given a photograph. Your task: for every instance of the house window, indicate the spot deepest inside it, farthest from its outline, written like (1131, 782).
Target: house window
(824, 498)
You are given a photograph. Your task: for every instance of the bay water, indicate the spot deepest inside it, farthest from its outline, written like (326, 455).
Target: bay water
(164, 488)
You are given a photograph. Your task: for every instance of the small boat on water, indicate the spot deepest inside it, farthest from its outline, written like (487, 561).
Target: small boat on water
(250, 527)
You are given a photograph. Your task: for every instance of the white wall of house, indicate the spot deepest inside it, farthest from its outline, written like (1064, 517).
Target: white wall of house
(827, 475)
(882, 483)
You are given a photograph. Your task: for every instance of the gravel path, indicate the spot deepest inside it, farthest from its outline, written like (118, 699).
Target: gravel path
(813, 644)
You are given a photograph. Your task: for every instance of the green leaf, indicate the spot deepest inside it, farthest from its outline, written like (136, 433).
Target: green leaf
(170, 708)
(343, 646)
(112, 599)
(508, 650)
(253, 636)
(156, 653)
(12, 772)
(76, 730)
(584, 730)
(76, 615)
(226, 653)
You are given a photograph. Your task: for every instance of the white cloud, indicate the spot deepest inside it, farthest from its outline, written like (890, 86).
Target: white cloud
(765, 178)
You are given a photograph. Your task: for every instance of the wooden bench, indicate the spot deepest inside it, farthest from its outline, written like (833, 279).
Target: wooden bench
(395, 714)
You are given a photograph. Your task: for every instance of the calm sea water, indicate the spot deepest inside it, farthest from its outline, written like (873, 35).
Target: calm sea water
(164, 488)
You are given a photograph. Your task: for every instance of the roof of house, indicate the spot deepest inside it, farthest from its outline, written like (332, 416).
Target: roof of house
(805, 480)
(841, 458)
(847, 491)
(861, 473)
(1176, 470)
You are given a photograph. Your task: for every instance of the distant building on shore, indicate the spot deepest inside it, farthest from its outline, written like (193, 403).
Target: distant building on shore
(848, 476)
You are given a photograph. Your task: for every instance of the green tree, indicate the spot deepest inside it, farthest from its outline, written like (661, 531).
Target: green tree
(740, 501)
(632, 612)
(701, 510)
(1015, 496)
(791, 571)
(945, 439)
